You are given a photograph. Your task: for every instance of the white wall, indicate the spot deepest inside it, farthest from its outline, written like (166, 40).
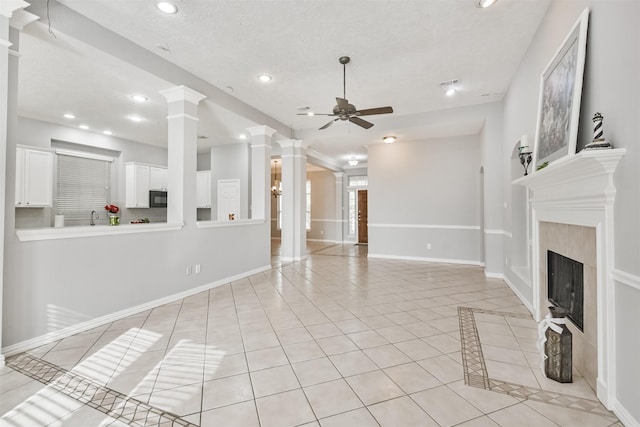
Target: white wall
(611, 87)
(425, 192)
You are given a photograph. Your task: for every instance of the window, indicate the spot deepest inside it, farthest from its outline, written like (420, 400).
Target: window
(352, 213)
(83, 184)
(358, 181)
(308, 205)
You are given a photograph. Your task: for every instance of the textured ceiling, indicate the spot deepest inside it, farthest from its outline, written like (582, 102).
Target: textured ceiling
(400, 50)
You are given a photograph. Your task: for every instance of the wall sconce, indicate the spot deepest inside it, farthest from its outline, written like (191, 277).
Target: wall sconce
(524, 152)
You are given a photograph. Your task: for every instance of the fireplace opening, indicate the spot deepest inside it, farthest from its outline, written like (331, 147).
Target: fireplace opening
(565, 286)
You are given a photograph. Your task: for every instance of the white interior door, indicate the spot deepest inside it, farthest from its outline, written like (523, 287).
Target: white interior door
(228, 199)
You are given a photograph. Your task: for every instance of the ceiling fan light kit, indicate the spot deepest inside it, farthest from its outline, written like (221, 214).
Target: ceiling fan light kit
(348, 112)
(167, 7)
(389, 139)
(486, 3)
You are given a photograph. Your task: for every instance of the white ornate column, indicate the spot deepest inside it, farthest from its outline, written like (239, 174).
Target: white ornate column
(339, 206)
(182, 131)
(294, 182)
(261, 171)
(7, 8)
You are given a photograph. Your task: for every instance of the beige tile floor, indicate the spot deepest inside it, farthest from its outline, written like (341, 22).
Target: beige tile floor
(336, 340)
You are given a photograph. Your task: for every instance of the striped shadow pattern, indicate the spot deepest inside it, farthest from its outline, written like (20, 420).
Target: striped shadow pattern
(110, 402)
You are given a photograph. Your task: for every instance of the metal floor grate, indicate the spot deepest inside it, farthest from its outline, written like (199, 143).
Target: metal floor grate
(110, 402)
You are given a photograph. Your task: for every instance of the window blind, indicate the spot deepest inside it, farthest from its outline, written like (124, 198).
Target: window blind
(83, 185)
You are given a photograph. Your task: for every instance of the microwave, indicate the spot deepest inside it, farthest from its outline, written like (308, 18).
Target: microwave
(157, 199)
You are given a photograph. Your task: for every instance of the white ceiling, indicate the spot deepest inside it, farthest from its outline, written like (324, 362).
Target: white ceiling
(400, 51)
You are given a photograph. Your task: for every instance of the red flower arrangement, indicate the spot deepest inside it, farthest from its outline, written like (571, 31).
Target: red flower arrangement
(112, 209)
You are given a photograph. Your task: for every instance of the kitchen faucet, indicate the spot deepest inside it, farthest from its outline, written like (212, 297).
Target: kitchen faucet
(92, 222)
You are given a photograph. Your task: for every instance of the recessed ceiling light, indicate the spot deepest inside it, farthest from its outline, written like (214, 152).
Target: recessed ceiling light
(135, 118)
(486, 3)
(389, 139)
(450, 91)
(139, 98)
(107, 132)
(264, 78)
(310, 113)
(242, 136)
(166, 7)
(69, 116)
(84, 127)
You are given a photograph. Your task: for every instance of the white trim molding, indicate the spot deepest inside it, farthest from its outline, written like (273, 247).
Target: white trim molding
(7, 7)
(627, 279)
(579, 190)
(32, 234)
(432, 226)
(440, 260)
(519, 294)
(234, 223)
(98, 321)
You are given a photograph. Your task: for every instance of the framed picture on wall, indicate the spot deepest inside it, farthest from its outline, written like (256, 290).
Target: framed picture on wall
(560, 95)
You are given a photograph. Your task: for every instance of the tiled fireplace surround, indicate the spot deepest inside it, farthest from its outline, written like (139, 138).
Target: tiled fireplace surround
(578, 243)
(572, 213)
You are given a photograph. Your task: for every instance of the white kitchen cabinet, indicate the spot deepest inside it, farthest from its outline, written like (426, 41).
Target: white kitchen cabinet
(203, 189)
(137, 182)
(34, 178)
(158, 178)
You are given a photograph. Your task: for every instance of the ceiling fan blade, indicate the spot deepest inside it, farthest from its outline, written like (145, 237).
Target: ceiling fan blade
(329, 124)
(372, 111)
(360, 122)
(343, 104)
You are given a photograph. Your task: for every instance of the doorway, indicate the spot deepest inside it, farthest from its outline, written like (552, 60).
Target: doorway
(363, 220)
(228, 199)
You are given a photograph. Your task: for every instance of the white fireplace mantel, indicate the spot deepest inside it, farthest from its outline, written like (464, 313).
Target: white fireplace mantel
(579, 190)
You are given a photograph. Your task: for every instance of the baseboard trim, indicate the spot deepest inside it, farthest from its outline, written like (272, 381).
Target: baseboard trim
(108, 318)
(515, 290)
(493, 275)
(324, 241)
(624, 415)
(440, 260)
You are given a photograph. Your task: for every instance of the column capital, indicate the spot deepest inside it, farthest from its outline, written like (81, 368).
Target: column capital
(338, 175)
(261, 130)
(182, 93)
(7, 7)
(21, 18)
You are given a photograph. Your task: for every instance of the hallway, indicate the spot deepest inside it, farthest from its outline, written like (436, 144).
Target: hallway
(336, 340)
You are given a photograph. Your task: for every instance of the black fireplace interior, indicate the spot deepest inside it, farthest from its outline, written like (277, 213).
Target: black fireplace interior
(565, 285)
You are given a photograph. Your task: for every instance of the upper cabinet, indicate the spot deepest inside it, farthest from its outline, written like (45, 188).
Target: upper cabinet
(137, 180)
(34, 178)
(158, 178)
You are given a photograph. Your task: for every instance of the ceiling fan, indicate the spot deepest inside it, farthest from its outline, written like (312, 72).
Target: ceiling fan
(345, 111)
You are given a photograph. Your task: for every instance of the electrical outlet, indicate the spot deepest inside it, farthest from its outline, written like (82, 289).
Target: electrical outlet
(197, 269)
(428, 245)
(189, 271)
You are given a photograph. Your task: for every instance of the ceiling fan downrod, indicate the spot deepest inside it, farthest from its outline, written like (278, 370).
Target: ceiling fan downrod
(344, 60)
